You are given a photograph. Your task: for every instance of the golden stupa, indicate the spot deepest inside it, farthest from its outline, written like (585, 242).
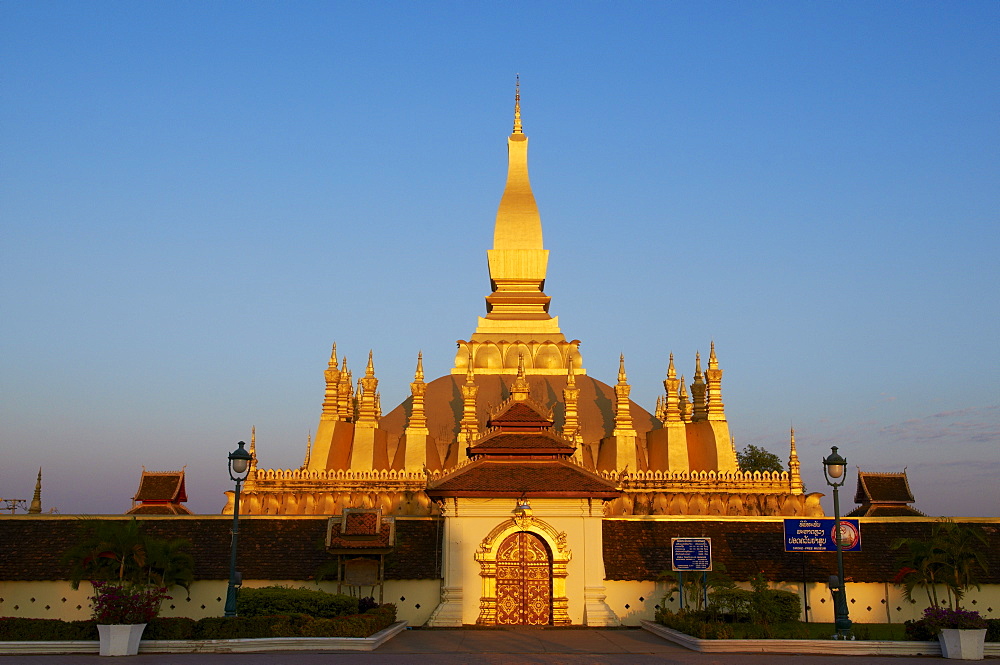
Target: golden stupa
(678, 459)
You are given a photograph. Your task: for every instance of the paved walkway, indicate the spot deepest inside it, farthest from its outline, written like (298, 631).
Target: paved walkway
(570, 646)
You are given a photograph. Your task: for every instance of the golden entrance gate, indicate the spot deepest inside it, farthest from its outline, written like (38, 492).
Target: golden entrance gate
(524, 580)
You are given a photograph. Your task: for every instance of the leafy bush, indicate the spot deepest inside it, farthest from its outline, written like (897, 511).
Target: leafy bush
(169, 628)
(774, 606)
(359, 625)
(730, 604)
(274, 600)
(993, 630)
(230, 628)
(694, 623)
(17, 629)
(762, 606)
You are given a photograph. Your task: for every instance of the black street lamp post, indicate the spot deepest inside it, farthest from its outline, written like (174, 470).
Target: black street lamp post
(239, 462)
(833, 468)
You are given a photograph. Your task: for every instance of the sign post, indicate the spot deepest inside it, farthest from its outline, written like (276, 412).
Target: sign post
(817, 535)
(693, 555)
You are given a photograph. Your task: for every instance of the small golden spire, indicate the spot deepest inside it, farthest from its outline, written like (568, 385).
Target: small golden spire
(713, 362)
(794, 473)
(517, 105)
(370, 369)
(419, 374)
(253, 445)
(570, 375)
(309, 445)
(333, 357)
(672, 411)
(622, 409)
(36, 501)
(519, 389)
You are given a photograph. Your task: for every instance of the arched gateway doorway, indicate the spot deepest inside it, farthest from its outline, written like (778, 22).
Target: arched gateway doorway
(523, 566)
(524, 580)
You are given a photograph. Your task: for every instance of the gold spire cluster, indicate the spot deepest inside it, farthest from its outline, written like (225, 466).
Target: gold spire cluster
(705, 402)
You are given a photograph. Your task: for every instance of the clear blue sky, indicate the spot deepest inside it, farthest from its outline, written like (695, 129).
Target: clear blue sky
(197, 199)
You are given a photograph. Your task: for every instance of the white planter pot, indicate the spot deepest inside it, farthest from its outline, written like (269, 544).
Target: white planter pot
(120, 639)
(962, 644)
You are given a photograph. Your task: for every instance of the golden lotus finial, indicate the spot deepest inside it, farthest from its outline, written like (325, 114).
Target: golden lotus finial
(517, 104)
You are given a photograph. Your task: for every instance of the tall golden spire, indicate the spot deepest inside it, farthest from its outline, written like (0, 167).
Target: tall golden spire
(469, 427)
(623, 411)
(517, 310)
(418, 419)
(714, 407)
(331, 400)
(367, 399)
(671, 412)
(571, 425)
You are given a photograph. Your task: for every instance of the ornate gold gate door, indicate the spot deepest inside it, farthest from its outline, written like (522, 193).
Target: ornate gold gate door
(524, 580)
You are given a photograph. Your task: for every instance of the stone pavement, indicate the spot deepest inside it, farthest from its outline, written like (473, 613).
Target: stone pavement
(570, 646)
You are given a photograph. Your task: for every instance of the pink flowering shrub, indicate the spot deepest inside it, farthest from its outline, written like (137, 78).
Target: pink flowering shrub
(937, 618)
(124, 603)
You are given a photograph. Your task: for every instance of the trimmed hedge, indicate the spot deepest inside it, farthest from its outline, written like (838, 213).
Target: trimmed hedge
(16, 629)
(273, 600)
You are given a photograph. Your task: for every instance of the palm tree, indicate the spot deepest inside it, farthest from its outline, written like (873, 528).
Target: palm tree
(950, 556)
(963, 553)
(113, 550)
(920, 567)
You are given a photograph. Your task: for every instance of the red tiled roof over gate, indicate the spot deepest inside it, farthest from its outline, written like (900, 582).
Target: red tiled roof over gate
(521, 441)
(531, 478)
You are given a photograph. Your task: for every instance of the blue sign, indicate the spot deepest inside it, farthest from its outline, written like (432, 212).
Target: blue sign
(817, 535)
(690, 554)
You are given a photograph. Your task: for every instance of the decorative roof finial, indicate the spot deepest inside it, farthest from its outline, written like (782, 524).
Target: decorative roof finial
(622, 377)
(519, 389)
(517, 105)
(419, 373)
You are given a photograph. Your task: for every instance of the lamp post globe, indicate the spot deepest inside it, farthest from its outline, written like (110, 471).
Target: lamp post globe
(239, 465)
(834, 466)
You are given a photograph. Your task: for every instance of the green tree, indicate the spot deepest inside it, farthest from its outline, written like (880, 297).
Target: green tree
(753, 459)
